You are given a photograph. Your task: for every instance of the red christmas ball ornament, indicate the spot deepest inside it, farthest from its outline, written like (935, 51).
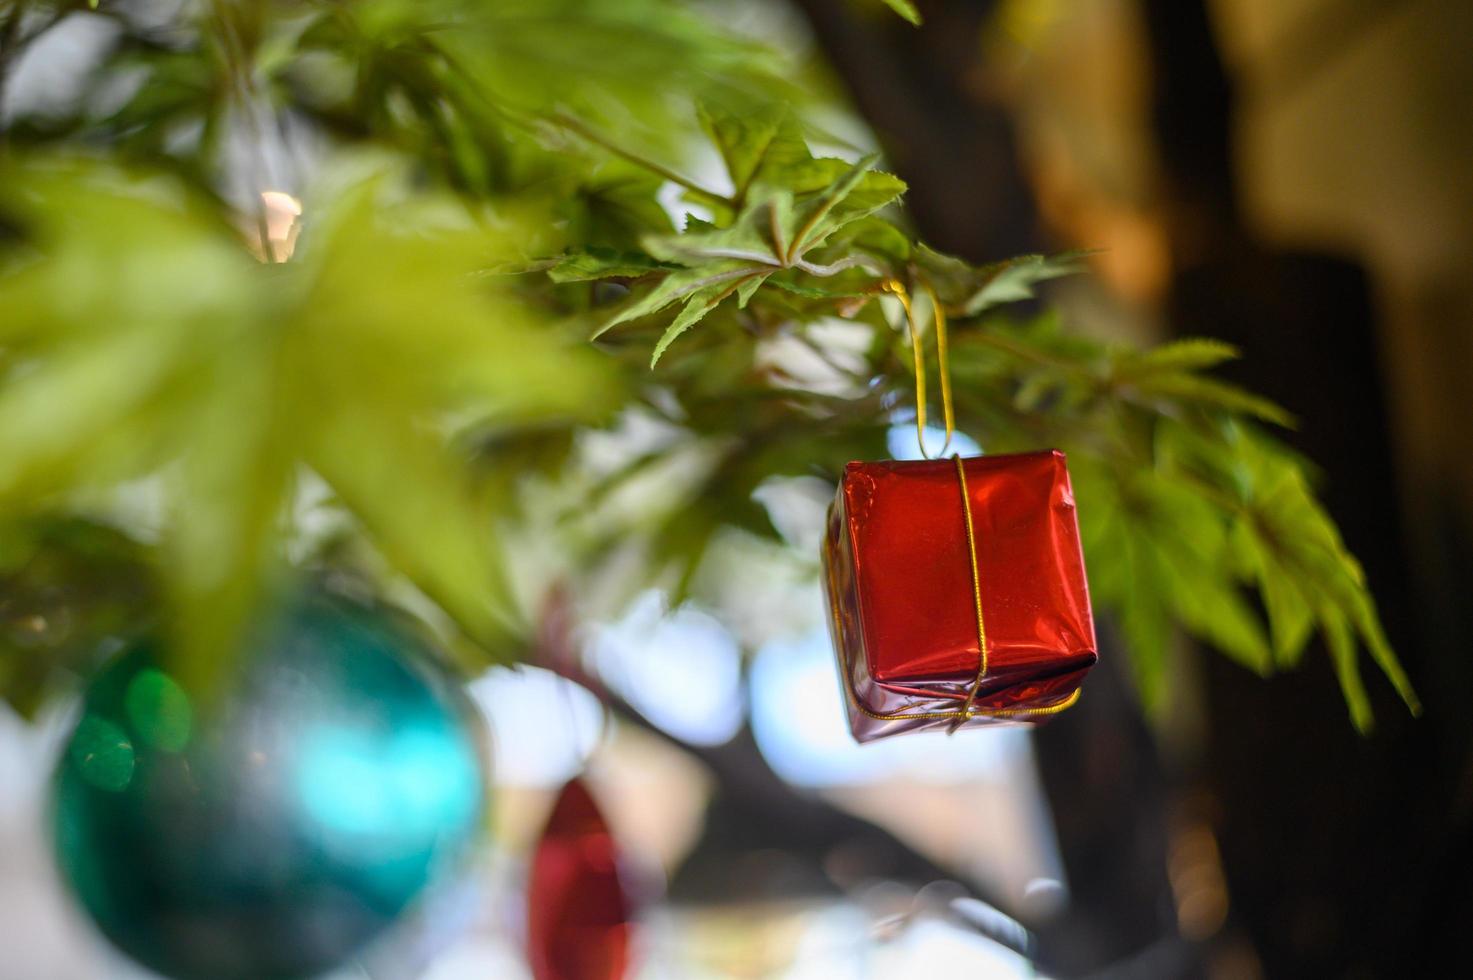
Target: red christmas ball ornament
(578, 910)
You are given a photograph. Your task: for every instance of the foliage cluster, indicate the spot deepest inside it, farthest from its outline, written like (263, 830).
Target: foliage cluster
(514, 328)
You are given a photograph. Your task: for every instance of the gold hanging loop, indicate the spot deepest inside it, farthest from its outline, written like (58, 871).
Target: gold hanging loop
(896, 287)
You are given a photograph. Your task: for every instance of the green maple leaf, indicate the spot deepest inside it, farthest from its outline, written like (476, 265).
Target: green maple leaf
(1283, 542)
(1291, 539)
(1016, 279)
(592, 263)
(777, 229)
(1163, 549)
(1169, 374)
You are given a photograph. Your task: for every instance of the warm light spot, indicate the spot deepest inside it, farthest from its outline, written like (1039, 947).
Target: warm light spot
(283, 202)
(1027, 22)
(281, 212)
(1195, 870)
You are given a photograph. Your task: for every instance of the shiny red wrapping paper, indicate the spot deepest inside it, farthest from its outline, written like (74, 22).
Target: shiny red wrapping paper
(903, 602)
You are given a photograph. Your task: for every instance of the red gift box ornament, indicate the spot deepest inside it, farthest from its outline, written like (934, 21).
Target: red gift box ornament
(956, 587)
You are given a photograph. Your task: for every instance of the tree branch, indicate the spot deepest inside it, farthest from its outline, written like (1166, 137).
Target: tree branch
(758, 810)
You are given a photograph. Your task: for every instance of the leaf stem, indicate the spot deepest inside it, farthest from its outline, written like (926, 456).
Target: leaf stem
(800, 240)
(247, 105)
(572, 125)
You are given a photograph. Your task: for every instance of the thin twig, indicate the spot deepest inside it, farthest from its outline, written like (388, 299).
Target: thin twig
(12, 43)
(579, 128)
(573, 125)
(246, 105)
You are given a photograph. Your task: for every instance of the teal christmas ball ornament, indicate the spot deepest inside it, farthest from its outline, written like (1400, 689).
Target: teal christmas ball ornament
(274, 830)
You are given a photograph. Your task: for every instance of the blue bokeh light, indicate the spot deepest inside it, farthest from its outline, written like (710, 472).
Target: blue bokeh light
(393, 792)
(680, 669)
(798, 719)
(902, 443)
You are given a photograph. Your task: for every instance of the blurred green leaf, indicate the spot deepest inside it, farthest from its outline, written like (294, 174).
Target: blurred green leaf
(360, 359)
(1015, 279)
(746, 139)
(239, 447)
(1165, 548)
(1179, 387)
(1185, 354)
(696, 307)
(1291, 619)
(1295, 555)
(905, 9)
(691, 282)
(71, 590)
(430, 525)
(1341, 641)
(587, 264)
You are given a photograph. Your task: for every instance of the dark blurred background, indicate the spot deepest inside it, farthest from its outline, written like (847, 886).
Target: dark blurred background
(1295, 176)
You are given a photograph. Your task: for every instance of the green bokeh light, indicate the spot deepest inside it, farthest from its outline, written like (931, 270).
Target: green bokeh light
(103, 754)
(159, 710)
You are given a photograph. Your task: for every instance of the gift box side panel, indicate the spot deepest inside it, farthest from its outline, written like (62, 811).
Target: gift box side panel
(870, 708)
(912, 571)
(1070, 548)
(914, 574)
(844, 619)
(1035, 597)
